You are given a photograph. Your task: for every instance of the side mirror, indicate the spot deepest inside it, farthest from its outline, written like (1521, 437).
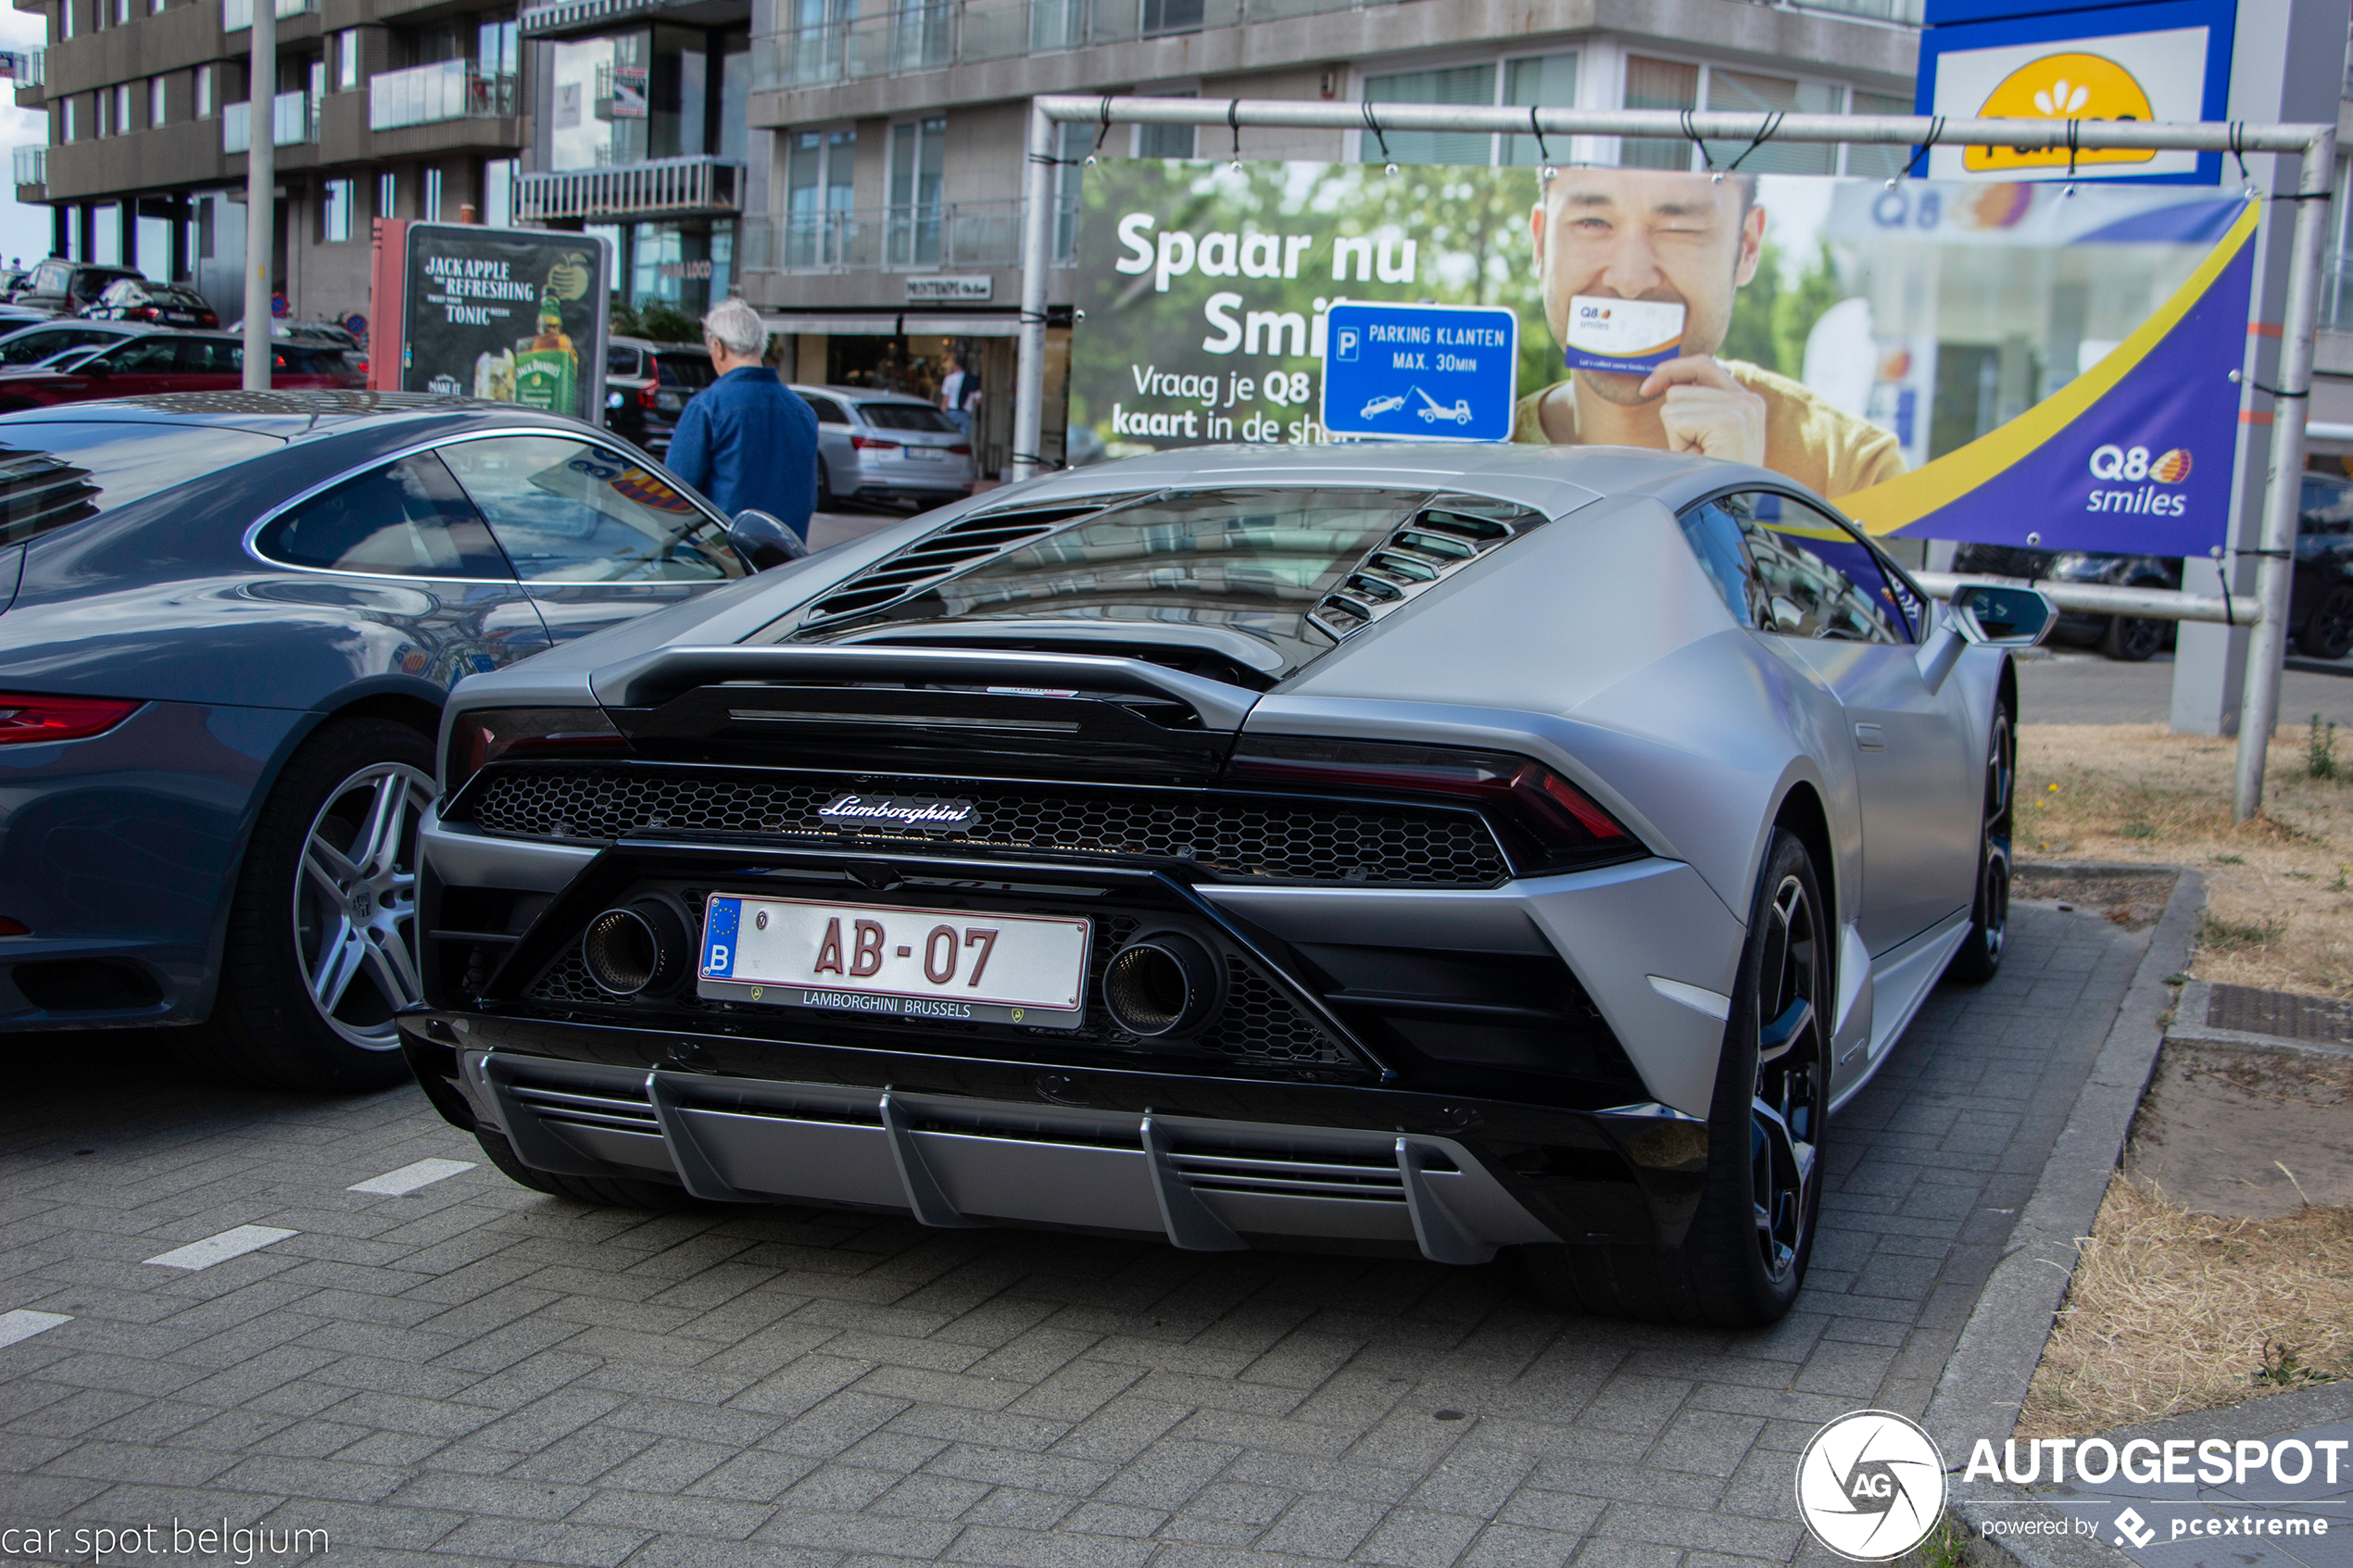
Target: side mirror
(2003, 618)
(764, 541)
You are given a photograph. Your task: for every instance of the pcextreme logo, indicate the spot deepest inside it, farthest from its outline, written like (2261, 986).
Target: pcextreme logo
(2074, 85)
(2132, 465)
(1870, 1486)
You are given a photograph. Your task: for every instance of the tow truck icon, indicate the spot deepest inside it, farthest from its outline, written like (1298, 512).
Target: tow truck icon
(1433, 410)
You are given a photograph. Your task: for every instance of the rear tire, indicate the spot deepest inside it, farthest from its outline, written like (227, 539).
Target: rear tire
(2132, 639)
(598, 1192)
(1980, 956)
(321, 935)
(1741, 1263)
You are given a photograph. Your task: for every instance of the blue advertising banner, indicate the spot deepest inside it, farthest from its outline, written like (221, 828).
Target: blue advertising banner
(2132, 456)
(1421, 372)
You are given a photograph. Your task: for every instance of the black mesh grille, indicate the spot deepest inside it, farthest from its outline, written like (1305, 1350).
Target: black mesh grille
(1231, 836)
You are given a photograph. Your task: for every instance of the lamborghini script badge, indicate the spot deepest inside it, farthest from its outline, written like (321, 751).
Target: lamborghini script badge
(926, 813)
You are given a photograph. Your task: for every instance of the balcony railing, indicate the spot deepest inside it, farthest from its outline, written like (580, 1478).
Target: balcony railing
(670, 185)
(24, 65)
(33, 164)
(292, 123)
(428, 94)
(887, 239)
(896, 36)
(235, 14)
(563, 15)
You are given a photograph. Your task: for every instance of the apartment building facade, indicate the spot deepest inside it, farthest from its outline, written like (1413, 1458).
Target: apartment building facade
(882, 217)
(407, 108)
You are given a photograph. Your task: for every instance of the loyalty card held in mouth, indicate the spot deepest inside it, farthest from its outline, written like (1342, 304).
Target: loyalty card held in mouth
(1632, 336)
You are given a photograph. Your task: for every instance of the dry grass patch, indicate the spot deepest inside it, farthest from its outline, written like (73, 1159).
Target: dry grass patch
(2279, 888)
(2172, 1311)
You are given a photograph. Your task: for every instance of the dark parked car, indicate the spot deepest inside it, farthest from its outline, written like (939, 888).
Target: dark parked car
(54, 335)
(2130, 638)
(2320, 604)
(155, 363)
(224, 657)
(65, 288)
(162, 304)
(647, 385)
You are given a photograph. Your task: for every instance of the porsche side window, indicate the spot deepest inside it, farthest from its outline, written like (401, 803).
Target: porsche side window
(566, 511)
(1808, 577)
(407, 519)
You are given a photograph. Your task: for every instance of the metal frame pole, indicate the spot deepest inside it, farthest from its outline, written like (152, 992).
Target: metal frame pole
(261, 190)
(1036, 232)
(2276, 571)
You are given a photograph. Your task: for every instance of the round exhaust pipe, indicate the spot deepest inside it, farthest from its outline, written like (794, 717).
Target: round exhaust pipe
(1164, 982)
(635, 948)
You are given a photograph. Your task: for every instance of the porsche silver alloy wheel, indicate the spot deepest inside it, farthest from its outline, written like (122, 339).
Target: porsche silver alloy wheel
(355, 902)
(1785, 1119)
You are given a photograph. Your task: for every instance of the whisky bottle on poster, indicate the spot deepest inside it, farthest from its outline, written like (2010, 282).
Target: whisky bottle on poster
(548, 367)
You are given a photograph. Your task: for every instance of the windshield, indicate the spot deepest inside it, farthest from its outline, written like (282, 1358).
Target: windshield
(53, 474)
(1250, 560)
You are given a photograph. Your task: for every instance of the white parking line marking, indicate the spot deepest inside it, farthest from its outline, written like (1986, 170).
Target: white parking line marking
(220, 1249)
(24, 1325)
(408, 1178)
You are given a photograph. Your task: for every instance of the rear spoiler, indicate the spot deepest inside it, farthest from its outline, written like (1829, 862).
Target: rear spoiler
(655, 678)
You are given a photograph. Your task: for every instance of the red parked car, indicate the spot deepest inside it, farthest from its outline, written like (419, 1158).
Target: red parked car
(159, 362)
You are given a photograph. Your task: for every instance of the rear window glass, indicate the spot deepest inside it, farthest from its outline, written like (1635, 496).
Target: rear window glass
(621, 361)
(312, 361)
(686, 369)
(906, 416)
(53, 474)
(826, 409)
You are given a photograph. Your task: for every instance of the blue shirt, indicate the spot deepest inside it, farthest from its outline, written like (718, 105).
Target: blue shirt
(747, 441)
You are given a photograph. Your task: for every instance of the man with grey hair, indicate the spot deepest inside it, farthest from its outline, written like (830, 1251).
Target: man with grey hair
(747, 441)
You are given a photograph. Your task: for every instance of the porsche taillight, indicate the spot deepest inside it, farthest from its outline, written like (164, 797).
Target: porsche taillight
(26, 719)
(1547, 822)
(494, 734)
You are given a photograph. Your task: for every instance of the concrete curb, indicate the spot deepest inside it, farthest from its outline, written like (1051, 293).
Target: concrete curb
(1985, 1382)
(2195, 997)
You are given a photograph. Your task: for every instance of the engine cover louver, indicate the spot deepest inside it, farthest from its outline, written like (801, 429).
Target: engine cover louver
(1443, 537)
(962, 544)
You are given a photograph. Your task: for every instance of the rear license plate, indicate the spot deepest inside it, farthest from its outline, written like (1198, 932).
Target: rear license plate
(892, 961)
(928, 454)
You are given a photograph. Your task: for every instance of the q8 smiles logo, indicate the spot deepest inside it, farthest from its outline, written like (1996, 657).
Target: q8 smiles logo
(2135, 466)
(1870, 1486)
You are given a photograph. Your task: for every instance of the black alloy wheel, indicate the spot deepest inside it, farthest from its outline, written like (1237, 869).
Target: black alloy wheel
(2328, 631)
(2133, 639)
(1788, 1101)
(1989, 931)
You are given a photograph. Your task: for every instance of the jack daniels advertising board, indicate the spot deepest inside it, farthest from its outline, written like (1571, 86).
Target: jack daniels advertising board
(506, 315)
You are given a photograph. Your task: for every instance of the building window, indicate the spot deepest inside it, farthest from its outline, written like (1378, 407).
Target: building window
(122, 13)
(205, 219)
(917, 149)
(819, 165)
(334, 209)
(204, 92)
(64, 18)
(158, 108)
(346, 59)
(387, 195)
(498, 192)
(67, 130)
(1658, 84)
(125, 96)
(1078, 141)
(104, 100)
(1740, 92)
(431, 209)
(1452, 85)
(1167, 140)
(1885, 163)
(1546, 82)
(497, 50)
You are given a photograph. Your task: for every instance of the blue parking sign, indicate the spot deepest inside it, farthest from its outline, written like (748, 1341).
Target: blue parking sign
(1421, 372)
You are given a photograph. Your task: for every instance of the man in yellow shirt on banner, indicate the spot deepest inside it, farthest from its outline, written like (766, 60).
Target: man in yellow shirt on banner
(1687, 242)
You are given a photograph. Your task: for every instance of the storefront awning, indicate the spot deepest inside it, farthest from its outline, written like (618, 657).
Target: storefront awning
(999, 323)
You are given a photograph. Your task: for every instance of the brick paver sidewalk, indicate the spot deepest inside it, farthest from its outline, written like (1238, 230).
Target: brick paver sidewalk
(473, 1373)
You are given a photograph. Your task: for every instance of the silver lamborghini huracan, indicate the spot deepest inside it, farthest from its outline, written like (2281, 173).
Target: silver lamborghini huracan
(1437, 850)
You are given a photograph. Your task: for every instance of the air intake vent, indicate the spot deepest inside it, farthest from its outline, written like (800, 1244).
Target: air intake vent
(960, 544)
(1440, 539)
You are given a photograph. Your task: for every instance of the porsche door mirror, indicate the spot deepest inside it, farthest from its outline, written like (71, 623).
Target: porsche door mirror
(763, 540)
(2003, 618)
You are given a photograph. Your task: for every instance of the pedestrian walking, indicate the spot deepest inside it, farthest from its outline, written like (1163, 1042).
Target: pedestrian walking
(958, 389)
(747, 441)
